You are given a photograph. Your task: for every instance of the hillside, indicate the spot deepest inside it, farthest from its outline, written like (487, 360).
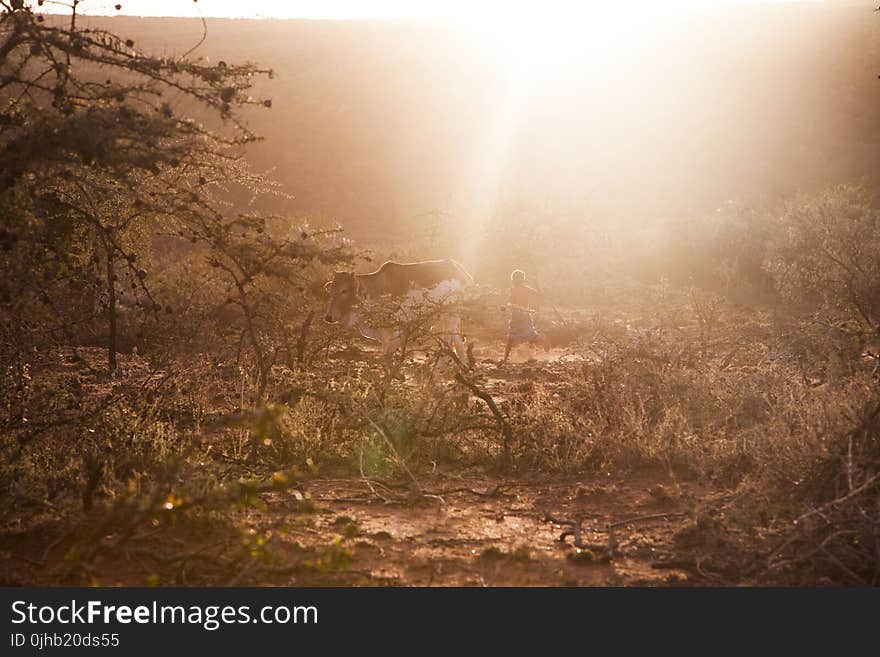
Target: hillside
(375, 123)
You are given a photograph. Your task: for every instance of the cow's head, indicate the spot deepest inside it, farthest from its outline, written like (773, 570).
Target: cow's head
(343, 291)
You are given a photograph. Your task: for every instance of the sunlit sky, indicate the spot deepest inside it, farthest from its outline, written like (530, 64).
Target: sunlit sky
(540, 43)
(457, 10)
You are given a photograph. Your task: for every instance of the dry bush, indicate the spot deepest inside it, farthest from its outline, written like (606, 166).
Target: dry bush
(106, 464)
(826, 255)
(404, 407)
(833, 534)
(723, 406)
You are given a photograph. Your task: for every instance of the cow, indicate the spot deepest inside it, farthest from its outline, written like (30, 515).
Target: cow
(413, 284)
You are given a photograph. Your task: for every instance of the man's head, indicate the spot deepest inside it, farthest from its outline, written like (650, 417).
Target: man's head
(343, 290)
(518, 277)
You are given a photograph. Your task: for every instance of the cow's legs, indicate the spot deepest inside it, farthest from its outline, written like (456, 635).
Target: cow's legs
(458, 342)
(391, 341)
(449, 329)
(460, 350)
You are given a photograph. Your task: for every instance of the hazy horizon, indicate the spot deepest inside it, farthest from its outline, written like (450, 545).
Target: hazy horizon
(751, 104)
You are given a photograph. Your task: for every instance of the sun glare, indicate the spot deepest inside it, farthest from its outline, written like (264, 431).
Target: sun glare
(539, 45)
(558, 27)
(551, 54)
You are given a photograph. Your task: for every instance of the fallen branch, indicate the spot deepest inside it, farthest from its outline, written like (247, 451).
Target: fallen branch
(693, 566)
(493, 492)
(840, 500)
(653, 516)
(26, 559)
(608, 550)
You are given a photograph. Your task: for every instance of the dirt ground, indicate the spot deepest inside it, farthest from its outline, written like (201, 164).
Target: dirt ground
(459, 530)
(451, 529)
(490, 532)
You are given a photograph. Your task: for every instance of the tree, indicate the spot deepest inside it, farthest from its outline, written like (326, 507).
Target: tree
(96, 161)
(827, 255)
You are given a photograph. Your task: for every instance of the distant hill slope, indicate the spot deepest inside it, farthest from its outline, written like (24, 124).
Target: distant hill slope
(374, 123)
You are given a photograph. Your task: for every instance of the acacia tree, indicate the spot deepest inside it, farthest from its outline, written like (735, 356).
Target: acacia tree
(96, 161)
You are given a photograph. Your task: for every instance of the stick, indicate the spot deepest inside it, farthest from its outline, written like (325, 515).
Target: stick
(503, 426)
(653, 516)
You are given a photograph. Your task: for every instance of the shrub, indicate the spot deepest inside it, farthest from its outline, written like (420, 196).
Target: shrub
(826, 258)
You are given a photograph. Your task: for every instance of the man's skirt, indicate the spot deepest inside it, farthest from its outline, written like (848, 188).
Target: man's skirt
(521, 327)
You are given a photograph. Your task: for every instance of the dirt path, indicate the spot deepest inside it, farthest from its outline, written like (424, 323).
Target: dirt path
(468, 531)
(475, 530)
(495, 533)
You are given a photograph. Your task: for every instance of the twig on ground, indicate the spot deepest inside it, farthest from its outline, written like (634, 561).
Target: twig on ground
(26, 559)
(493, 492)
(608, 550)
(652, 516)
(243, 573)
